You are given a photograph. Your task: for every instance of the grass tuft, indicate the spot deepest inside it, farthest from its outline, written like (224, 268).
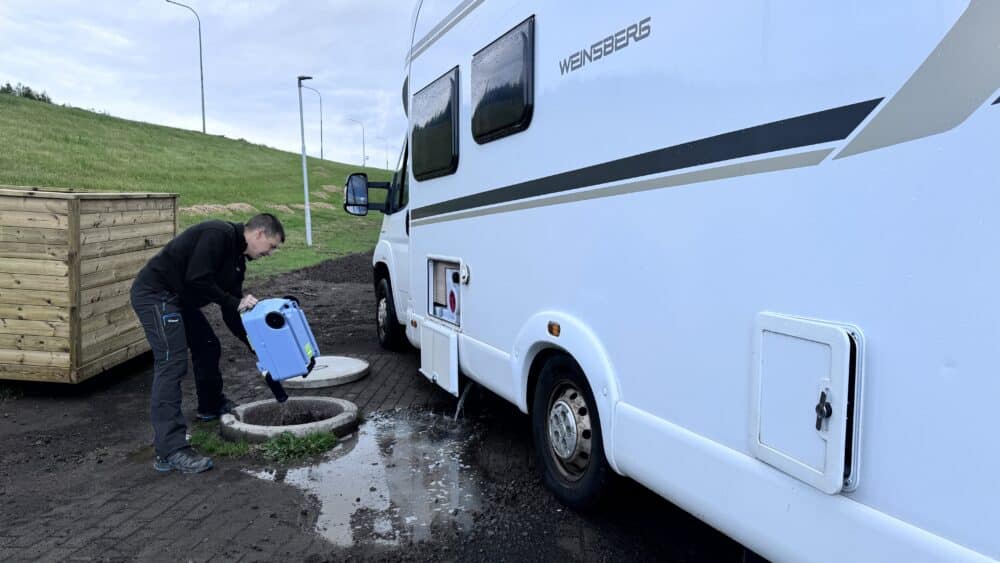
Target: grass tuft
(287, 447)
(9, 393)
(209, 442)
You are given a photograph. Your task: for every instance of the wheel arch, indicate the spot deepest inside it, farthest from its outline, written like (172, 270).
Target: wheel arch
(535, 345)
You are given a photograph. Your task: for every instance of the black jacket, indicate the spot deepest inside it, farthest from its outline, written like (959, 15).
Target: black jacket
(204, 264)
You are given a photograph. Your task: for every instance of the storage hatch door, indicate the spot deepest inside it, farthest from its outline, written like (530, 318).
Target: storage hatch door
(803, 413)
(439, 355)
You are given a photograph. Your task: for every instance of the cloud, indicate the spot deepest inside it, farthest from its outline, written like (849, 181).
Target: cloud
(139, 60)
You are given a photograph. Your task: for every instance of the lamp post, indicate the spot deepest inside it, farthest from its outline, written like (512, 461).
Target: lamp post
(320, 120)
(201, 66)
(364, 159)
(305, 172)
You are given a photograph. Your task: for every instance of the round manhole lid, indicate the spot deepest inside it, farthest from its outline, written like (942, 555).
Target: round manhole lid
(329, 372)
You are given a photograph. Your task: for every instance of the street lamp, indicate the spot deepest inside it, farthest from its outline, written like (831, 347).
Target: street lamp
(320, 120)
(201, 67)
(305, 172)
(364, 159)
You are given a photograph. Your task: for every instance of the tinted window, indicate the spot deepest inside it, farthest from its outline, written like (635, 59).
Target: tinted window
(435, 128)
(503, 84)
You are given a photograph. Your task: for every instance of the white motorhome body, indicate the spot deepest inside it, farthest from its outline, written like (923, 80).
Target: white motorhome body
(763, 231)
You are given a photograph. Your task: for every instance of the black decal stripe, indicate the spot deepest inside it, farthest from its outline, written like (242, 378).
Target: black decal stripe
(997, 101)
(811, 129)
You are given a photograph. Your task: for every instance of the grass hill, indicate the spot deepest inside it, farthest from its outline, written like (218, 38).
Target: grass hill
(48, 145)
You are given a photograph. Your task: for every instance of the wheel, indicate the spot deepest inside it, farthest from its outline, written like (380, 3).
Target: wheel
(390, 332)
(567, 435)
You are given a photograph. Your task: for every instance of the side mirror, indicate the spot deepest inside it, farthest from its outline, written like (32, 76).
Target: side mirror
(356, 194)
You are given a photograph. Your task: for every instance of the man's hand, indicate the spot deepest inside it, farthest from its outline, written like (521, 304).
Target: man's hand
(247, 303)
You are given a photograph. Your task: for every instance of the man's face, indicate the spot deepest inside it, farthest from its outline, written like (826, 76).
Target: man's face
(259, 244)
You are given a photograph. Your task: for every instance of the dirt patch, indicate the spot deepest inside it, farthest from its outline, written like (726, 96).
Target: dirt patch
(334, 189)
(216, 208)
(281, 209)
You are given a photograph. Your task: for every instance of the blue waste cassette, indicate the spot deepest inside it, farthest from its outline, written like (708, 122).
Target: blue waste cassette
(278, 331)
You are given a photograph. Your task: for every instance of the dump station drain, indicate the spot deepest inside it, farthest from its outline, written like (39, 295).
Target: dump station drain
(329, 371)
(261, 420)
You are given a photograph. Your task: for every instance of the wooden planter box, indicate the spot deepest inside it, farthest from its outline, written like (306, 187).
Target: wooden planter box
(67, 261)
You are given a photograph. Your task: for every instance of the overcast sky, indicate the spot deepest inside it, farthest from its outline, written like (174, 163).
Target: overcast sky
(138, 59)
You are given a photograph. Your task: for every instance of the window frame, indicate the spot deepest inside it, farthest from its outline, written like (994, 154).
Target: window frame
(455, 129)
(528, 98)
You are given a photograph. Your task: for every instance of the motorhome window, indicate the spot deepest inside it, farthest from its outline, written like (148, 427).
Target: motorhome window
(400, 195)
(435, 128)
(503, 84)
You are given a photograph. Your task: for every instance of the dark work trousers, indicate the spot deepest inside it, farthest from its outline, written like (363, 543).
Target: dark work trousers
(172, 331)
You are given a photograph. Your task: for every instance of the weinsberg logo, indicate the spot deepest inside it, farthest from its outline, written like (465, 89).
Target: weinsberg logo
(614, 42)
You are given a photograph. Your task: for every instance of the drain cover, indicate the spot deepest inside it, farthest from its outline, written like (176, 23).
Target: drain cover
(330, 371)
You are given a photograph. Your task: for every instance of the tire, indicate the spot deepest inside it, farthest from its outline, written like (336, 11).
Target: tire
(567, 433)
(390, 332)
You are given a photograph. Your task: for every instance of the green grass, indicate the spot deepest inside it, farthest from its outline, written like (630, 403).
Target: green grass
(53, 146)
(286, 447)
(208, 441)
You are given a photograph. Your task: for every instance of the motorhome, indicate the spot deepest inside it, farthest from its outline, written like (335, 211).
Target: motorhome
(742, 252)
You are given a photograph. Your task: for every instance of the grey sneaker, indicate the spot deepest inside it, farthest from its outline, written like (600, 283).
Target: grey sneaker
(226, 408)
(185, 460)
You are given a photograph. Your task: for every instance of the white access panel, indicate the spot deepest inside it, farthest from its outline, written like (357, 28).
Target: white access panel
(439, 355)
(801, 381)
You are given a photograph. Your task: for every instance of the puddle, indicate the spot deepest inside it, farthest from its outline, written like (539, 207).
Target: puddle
(399, 477)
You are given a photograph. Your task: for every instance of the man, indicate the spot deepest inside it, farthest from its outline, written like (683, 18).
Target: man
(202, 265)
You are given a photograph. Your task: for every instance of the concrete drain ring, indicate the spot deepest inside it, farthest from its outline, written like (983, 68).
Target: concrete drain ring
(329, 371)
(261, 420)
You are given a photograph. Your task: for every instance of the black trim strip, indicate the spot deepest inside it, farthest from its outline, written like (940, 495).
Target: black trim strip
(821, 127)
(997, 101)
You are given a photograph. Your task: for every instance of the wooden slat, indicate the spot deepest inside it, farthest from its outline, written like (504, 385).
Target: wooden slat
(34, 220)
(111, 345)
(38, 343)
(35, 267)
(36, 328)
(74, 282)
(112, 247)
(101, 234)
(33, 312)
(34, 282)
(134, 260)
(33, 358)
(88, 310)
(39, 236)
(115, 205)
(32, 250)
(93, 337)
(111, 360)
(34, 204)
(100, 293)
(123, 218)
(32, 297)
(35, 373)
(123, 313)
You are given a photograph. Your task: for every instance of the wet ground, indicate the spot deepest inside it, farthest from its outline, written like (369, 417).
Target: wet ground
(411, 484)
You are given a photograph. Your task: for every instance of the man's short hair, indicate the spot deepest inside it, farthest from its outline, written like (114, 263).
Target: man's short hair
(267, 223)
